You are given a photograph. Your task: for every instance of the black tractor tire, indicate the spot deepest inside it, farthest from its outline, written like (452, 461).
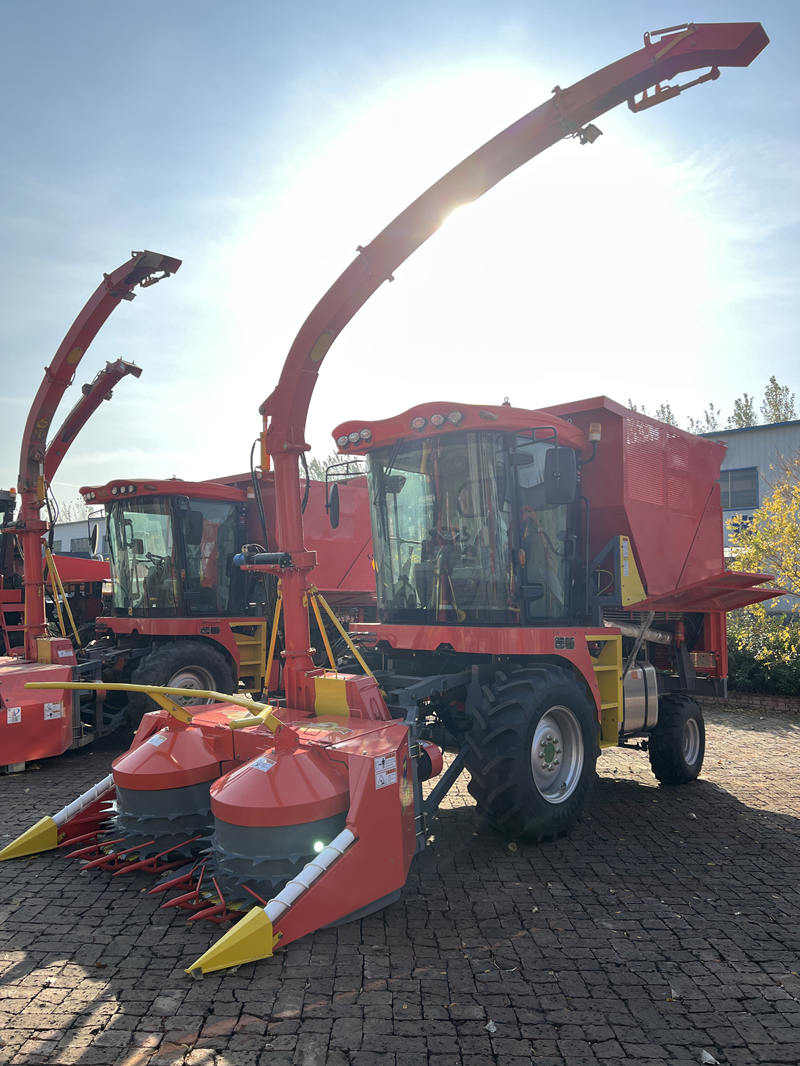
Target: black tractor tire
(165, 662)
(678, 743)
(499, 755)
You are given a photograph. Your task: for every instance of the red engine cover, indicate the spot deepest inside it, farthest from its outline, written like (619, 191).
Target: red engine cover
(171, 758)
(282, 788)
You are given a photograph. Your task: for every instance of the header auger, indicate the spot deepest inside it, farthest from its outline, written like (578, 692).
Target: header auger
(507, 620)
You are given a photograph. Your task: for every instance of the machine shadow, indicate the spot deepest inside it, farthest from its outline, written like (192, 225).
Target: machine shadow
(659, 823)
(472, 886)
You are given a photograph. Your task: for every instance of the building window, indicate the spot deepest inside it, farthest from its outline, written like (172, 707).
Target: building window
(739, 488)
(79, 544)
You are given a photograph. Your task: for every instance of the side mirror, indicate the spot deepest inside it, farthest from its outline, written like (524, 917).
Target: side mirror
(138, 546)
(560, 476)
(94, 538)
(333, 505)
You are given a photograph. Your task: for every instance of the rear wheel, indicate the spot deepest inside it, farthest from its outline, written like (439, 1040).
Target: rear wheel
(678, 743)
(180, 664)
(532, 752)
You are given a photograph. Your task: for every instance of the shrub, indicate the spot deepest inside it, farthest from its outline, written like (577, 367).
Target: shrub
(764, 653)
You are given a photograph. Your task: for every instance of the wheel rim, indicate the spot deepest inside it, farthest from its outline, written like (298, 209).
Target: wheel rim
(557, 754)
(691, 741)
(192, 677)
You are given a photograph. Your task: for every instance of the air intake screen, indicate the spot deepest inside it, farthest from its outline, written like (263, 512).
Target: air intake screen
(644, 462)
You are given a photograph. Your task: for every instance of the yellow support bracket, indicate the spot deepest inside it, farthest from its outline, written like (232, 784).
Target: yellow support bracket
(343, 632)
(312, 595)
(276, 618)
(55, 574)
(259, 713)
(48, 558)
(607, 667)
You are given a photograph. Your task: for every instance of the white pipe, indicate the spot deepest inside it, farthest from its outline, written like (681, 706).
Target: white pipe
(310, 873)
(83, 801)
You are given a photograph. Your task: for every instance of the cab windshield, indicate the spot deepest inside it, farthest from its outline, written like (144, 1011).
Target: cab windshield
(174, 555)
(441, 530)
(141, 545)
(463, 531)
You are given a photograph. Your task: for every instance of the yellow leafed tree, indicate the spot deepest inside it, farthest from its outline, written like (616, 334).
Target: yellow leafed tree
(770, 543)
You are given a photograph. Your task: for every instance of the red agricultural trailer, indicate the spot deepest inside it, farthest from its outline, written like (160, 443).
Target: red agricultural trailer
(534, 630)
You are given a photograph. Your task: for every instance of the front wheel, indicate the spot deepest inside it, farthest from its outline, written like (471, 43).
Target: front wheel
(532, 752)
(678, 743)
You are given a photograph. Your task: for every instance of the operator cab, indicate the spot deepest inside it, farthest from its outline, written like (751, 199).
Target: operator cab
(476, 515)
(171, 547)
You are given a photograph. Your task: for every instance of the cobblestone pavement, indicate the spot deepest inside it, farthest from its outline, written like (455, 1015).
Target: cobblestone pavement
(665, 926)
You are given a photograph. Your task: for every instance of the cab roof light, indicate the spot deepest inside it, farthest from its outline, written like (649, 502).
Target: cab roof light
(455, 418)
(437, 420)
(341, 441)
(354, 437)
(418, 422)
(114, 490)
(366, 433)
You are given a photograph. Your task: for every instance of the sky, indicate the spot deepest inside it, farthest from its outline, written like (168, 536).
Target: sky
(262, 142)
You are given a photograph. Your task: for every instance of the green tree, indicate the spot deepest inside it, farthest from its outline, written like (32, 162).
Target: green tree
(778, 402)
(664, 413)
(744, 412)
(708, 423)
(317, 466)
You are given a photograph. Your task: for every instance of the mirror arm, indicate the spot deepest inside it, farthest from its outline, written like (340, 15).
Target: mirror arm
(585, 462)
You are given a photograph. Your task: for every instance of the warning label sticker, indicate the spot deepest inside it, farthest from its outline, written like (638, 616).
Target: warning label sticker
(53, 710)
(157, 740)
(13, 715)
(263, 763)
(385, 771)
(65, 653)
(324, 727)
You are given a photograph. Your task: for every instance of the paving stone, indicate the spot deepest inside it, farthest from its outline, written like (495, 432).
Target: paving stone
(645, 937)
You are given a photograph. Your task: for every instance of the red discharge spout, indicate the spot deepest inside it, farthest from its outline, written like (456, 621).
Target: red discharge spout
(143, 268)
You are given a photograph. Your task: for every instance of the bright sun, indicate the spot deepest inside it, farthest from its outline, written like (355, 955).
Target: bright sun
(592, 269)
